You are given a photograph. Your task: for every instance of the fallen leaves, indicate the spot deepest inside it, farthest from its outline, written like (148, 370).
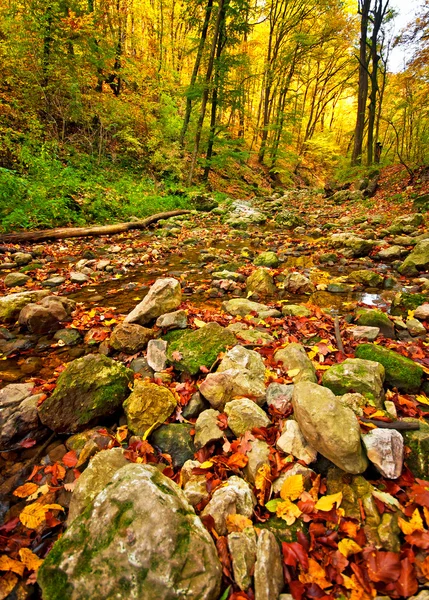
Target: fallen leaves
(34, 514)
(327, 503)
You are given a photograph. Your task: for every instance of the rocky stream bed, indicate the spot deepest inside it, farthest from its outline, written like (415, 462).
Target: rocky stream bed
(231, 404)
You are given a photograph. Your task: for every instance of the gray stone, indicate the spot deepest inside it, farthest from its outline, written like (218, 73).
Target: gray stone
(269, 580)
(354, 401)
(337, 435)
(76, 277)
(225, 274)
(239, 357)
(38, 319)
(139, 538)
(165, 295)
(11, 305)
(294, 358)
(54, 281)
(355, 245)
(207, 429)
(376, 318)
(16, 279)
(295, 310)
(250, 335)
(157, 355)
(242, 546)
(422, 312)
(195, 406)
(18, 414)
(391, 253)
(22, 258)
(94, 479)
(415, 328)
(279, 396)
(296, 469)
(234, 497)
(385, 449)
(362, 332)
(296, 283)
(173, 320)
(293, 442)
(258, 456)
(175, 439)
(244, 415)
(242, 307)
(365, 377)
(130, 338)
(59, 306)
(139, 365)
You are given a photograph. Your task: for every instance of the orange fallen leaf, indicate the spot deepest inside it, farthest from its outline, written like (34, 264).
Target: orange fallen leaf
(25, 490)
(9, 564)
(30, 560)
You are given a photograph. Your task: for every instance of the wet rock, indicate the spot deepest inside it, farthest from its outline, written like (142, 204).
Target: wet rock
(165, 295)
(415, 328)
(16, 279)
(54, 281)
(367, 277)
(11, 305)
(279, 396)
(376, 318)
(261, 282)
(148, 405)
(242, 546)
(267, 259)
(362, 332)
(77, 277)
(391, 253)
(296, 469)
(250, 336)
(18, 414)
(130, 338)
(173, 320)
(389, 532)
(22, 258)
(269, 580)
(139, 365)
(422, 312)
(400, 372)
(38, 319)
(356, 375)
(385, 449)
(417, 261)
(242, 307)
(175, 439)
(295, 310)
(296, 283)
(293, 442)
(194, 486)
(295, 360)
(68, 337)
(78, 441)
(232, 275)
(235, 497)
(207, 429)
(200, 347)
(337, 435)
(126, 544)
(258, 456)
(355, 245)
(157, 355)
(418, 442)
(244, 415)
(94, 479)
(195, 406)
(89, 388)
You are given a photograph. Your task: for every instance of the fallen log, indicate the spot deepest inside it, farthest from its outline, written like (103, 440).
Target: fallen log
(69, 232)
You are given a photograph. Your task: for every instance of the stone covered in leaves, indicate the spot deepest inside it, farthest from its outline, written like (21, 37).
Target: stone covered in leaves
(90, 387)
(261, 282)
(365, 377)
(148, 405)
(296, 362)
(401, 372)
(199, 348)
(329, 427)
(139, 538)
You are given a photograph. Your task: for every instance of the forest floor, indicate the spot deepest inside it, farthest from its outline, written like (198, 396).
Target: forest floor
(213, 255)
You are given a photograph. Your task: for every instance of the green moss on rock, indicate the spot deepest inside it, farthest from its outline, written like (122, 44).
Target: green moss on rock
(401, 372)
(376, 318)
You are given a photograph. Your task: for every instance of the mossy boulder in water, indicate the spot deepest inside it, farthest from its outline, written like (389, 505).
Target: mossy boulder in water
(139, 538)
(11, 305)
(199, 347)
(90, 387)
(267, 259)
(401, 372)
(261, 282)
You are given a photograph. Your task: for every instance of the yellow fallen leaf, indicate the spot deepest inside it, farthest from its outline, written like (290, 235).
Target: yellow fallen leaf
(206, 464)
(292, 487)
(426, 514)
(33, 515)
(26, 490)
(237, 523)
(30, 560)
(199, 323)
(319, 367)
(326, 503)
(312, 354)
(293, 372)
(41, 491)
(315, 574)
(415, 524)
(386, 498)
(288, 511)
(9, 564)
(410, 314)
(7, 583)
(262, 476)
(348, 547)
(422, 399)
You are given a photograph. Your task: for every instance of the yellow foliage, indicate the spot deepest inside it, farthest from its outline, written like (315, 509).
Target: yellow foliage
(237, 523)
(288, 511)
(9, 564)
(292, 488)
(415, 524)
(348, 547)
(26, 490)
(326, 503)
(33, 515)
(30, 560)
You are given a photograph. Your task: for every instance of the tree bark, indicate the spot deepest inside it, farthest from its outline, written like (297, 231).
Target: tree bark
(69, 232)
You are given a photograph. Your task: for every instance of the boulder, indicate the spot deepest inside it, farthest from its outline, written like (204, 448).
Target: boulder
(148, 405)
(279, 396)
(242, 546)
(417, 261)
(126, 544)
(244, 415)
(175, 439)
(365, 377)
(418, 443)
(18, 415)
(400, 372)
(59, 306)
(295, 310)
(261, 282)
(241, 358)
(38, 319)
(165, 295)
(242, 307)
(16, 279)
(258, 456)
(296, 283)
(157, 355)
(422, 312)
(234, 497)
(355, 245)
(250, 335)
(173, 320)
(363, 332)
(67, 337)
(199, 348)
(391, 253)
(130, 338)
(11, 305)
(376, 318)
(207, 429)
(267, 259)
(296, 361)
(385, 449)
(329, 427)
(269, 579)
(194, 485)
(89, 388)
(367, 277)
(293, 442)
(22, 258)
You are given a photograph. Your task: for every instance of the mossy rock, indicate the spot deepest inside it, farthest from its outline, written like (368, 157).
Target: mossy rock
(401, 372)
(199, 347)
(266, 259)
(367, 277)
(376, 318)
(418, 442)
(90, 387)
(354, 375)
(283, 531)
(403, 302)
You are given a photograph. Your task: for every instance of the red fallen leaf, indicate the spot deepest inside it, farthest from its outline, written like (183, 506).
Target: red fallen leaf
(10, 525)
(241, 596)
(70, 459)
(420, 493)
(383, 566)
(294, 553)
(224, 557)
(28, 443)
(34, 472)
(419, 539)
(222, 421)
(297, 589)
(407, 583)
(51, 521)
